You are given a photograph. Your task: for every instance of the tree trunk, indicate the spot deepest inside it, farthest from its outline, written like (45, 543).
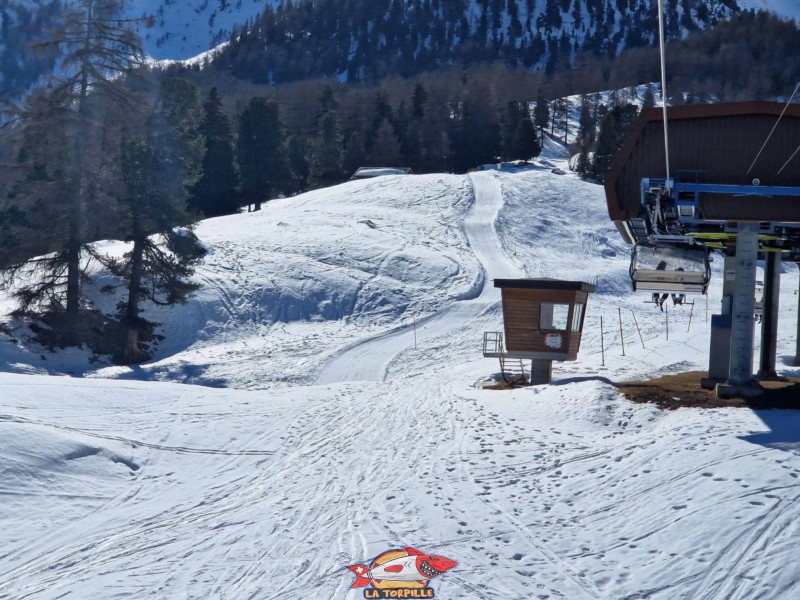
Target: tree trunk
(132, 352)
(79, 206)
(73, 274)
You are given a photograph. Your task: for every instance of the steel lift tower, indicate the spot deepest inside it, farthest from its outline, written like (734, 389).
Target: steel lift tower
(733, 188)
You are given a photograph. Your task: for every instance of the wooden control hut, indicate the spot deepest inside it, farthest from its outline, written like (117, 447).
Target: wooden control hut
(543, 322)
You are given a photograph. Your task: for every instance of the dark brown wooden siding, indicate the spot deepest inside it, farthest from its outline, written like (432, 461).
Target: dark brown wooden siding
(521, 318)
(721, 141)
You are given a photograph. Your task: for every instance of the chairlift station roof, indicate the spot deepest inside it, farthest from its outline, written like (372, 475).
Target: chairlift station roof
(713, 144)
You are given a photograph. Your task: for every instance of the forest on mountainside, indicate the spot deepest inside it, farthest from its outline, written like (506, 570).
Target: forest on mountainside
(368, 40)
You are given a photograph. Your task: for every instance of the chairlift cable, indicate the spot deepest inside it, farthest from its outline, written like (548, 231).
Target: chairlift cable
(661, 43)
(790, 160)
(774, 127)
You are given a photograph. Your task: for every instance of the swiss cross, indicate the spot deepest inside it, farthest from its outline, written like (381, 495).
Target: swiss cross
(360, 570)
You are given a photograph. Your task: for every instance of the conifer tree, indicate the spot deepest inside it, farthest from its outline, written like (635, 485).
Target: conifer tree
(476, 133)
(98, 48)
(215, 192)
(541, 114)
(386, 150)
(613, 129)
(158, 169)
(418, 101)
(297, 154)
(649, 100)
(326, 152)
(510, 124)
(354, 154)
(584, 165)
(526, 145)
(261, 150)
(586, 124)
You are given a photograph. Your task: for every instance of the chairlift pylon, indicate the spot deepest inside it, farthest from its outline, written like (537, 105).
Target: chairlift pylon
(670, 265)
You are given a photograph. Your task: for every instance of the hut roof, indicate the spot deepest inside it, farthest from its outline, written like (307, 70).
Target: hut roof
(545, 283)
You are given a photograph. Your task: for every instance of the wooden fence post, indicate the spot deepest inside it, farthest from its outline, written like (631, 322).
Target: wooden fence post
(641, 339)
(602, 343)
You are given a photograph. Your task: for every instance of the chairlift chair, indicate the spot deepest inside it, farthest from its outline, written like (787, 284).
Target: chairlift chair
(678, 267)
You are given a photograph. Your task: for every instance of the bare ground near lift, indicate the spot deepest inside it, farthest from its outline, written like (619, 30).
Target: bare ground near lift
(683, 390)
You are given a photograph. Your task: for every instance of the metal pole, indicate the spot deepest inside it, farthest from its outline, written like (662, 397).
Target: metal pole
(415, 332)
(742, 324)
(602, 343)
(633, 314)
(691, 314)
(769, 316)
(661, 36)
(666, 320)
(621, 336)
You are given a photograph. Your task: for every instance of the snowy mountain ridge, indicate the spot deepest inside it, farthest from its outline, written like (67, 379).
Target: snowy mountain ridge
(182, 30)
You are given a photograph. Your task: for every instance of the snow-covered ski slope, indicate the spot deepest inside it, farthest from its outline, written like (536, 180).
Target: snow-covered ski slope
(267, 484)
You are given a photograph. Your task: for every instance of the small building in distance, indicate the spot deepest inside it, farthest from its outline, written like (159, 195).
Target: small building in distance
(370, 172)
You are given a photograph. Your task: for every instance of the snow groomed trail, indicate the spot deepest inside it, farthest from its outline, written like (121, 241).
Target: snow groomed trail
(370, 359)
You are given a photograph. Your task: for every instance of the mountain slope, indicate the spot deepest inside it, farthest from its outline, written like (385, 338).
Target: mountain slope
(181, 30)
(136, 489)
(357, 41)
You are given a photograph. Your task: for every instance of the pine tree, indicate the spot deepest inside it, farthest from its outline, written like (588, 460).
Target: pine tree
(584, 164)
(158, 169)
(541, 115)
(36, 209)
(98, 48)
(354, 154)
(587, 127)
(510, 124)
(297, 154)
(476, 133)
(418, 101)
(649, 100)
(386, 147)
(613, 129)
(526, 145)
(326, 152)
(381, 112)
(261, 150)
(215, 192)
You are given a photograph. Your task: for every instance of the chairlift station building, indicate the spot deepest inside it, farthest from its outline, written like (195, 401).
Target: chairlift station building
(734, 187)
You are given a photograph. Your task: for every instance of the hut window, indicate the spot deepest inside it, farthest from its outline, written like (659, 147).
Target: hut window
(577, 315)
(553, 316)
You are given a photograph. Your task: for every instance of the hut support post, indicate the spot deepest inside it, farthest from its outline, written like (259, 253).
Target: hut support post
(541, 371)
(740, 374)
(769, 322)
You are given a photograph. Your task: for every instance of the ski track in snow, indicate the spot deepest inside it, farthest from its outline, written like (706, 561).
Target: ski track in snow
(136, 489)
(369, 360)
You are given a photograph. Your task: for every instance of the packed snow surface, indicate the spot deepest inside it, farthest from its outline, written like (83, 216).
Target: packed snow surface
(338, 411)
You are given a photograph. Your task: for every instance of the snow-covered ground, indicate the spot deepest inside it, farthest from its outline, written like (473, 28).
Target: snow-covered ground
(328, 437)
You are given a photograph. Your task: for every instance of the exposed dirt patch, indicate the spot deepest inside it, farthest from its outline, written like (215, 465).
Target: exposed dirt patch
(683, 389)
(509, 384)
